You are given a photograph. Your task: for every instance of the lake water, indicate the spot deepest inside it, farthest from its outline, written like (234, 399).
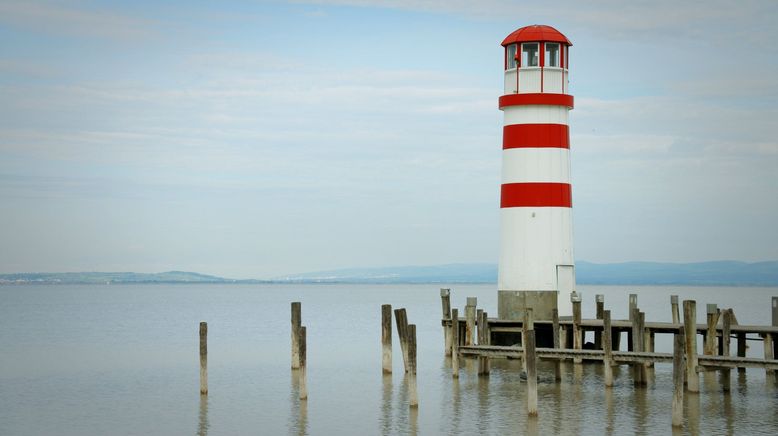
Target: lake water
(123, 360)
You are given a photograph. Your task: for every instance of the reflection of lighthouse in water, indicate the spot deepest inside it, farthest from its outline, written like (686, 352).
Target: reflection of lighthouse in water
(536, 228)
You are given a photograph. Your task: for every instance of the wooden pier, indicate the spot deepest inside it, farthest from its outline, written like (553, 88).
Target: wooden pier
(500, 338)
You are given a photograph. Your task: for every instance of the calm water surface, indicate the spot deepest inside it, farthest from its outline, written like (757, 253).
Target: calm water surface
(123, 360)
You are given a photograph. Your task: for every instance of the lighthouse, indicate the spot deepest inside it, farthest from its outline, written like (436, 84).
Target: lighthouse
(536, 268)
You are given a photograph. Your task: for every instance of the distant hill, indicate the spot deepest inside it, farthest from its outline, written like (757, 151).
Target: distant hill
(720, 273)
(111, 277)
(628, 273)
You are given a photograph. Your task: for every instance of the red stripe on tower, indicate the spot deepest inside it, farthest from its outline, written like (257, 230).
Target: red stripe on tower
(536, 195)
(535, 135)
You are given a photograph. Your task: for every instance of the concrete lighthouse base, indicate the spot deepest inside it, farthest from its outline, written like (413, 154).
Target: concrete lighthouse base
(511, 305)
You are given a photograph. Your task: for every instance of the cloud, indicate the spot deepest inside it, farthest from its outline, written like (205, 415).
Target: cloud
(54, 18)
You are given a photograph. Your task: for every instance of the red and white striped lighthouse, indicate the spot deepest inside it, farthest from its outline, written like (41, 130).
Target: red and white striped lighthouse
(536, 227)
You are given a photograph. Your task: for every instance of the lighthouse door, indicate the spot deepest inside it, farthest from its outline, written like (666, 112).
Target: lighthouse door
(565, 279)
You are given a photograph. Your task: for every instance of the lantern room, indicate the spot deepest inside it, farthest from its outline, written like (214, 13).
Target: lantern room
(536, 61)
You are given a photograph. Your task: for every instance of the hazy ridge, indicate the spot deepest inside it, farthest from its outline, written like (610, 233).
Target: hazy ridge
(724, 273)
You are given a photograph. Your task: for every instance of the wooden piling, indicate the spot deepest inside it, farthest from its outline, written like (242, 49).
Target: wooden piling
(483, 339)
(638, 330)
(575, 298)
(470, 310)
(412, 392)
(455, 343)
(712, 318)
(600, 306)
(768, 353)
(633, 304)
(532, 374)
(775, 324)
(401, 319)
(607, 334)
(445, 300)
(678, 376)
(386, 338)
(303, 353)
(726, 331)
(203, 358)
(555, 333)
(690, 337)
(674, 309)
(296, 322)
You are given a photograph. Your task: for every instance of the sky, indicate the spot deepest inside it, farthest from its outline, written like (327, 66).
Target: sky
(258, 139)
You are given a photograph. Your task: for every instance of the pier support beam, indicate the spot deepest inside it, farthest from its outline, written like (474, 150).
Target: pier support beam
(445, 301)
(600, 307)
(678, 372)
(712, 318)
(532, 374)
(607, 334)
(575, 298)
(674, 309)
(470, 310)
(455, 343)
(690, 336)
(556, 338)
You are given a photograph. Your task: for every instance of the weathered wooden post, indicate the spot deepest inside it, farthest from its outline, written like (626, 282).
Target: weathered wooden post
(555, 333)
(768, 354)
(600, 306)
(775, 324)
(401, 319)
(470, 309)
(445, 300)
(644, 343)
(678, 370)
(674, 309)
(607, 348)
(386, 338)
(690, 336)
(633, 304)
(575, 298)
(303, 364)
(483, 339)
(296, 322)
(532, 374)
(414, 396)
(455, 343)
(203, 358)
(712, 318)
(639, 369)
(726, 331)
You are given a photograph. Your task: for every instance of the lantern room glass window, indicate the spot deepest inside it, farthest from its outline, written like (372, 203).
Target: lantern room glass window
(552, 54)
(530, 55)
(511, 54)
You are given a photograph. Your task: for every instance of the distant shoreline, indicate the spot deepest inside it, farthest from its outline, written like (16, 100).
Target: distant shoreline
(717, 273)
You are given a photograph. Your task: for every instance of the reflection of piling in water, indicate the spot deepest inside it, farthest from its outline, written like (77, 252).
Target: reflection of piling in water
(203, 358)
(202, 422)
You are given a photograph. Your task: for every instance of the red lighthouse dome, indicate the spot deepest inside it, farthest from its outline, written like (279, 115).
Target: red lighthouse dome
(536, 33)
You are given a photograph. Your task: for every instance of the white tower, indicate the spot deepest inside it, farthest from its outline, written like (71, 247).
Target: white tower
(536, 227)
